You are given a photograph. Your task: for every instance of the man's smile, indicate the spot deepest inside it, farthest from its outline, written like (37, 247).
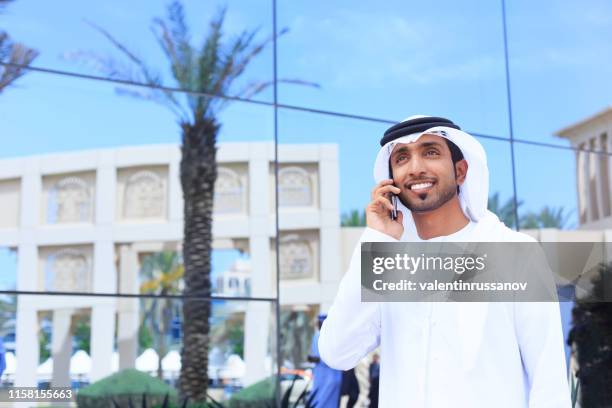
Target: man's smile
(421, 186)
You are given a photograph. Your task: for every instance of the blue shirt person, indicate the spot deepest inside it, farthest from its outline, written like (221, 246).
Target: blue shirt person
(2, 358)
(327, 381)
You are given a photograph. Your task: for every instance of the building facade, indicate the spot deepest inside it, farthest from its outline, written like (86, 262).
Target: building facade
(81, 222)
(593, 137)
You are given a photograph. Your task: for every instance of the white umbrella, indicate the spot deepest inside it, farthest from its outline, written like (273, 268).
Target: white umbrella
(147, 361)
(11, 363)
(115, 362)
(234, 367)
(80, 363)
(215, 362)
(45, 370)
(172, 361)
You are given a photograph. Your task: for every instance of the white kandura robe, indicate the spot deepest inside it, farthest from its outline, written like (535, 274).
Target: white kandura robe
(439, 355)
(459, 354)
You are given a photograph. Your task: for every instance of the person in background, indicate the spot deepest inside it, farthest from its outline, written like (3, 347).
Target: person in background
(374, 377)
(350, 387)
(327, 381)
(2, 358)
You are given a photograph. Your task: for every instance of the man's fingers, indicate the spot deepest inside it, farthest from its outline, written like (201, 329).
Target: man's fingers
(381, 184)
(384, 201)
(387, 189)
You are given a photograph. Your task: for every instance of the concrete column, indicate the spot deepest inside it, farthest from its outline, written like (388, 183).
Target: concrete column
(257, 318)
(104, 274)
(128, 309)
(106, 179)
(27, 275)
(103, 310)
(27, 253)
(593, 181)
(61, 347)
(27, 342)
(259, 212)
(604, 180)
(329, 233)
(329, 186)
(102, 336)
(580, 185)
(31, 194)
(257, 341)
(599, 188)
(586, 184)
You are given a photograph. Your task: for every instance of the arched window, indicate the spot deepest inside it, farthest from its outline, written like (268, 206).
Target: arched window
(144, 195)
(295, 258)
(294, 187)
(229, 192)
(67, 270)
(69, 201)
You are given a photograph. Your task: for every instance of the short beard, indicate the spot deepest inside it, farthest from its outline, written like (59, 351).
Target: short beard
(444, 197)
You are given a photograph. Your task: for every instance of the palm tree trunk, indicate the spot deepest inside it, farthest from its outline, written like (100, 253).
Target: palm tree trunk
(198, 175)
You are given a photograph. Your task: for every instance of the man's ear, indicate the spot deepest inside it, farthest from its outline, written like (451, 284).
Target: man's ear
(461, 168)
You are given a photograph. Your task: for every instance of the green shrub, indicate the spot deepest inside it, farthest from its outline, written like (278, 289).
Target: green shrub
(260, 394)
(124, 386)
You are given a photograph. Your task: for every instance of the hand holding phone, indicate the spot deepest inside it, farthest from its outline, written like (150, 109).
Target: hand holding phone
(382, 213)
(394, 210)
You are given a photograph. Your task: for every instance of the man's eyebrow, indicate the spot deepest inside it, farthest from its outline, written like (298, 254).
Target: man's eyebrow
(423, 145)
(430, 144)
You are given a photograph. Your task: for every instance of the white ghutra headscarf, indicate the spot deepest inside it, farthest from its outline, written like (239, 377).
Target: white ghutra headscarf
(474, 192)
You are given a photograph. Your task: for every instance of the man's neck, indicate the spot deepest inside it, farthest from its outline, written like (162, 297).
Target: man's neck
(446, 220)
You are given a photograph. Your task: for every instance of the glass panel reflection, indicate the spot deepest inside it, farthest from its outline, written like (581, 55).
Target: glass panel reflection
(77, 341)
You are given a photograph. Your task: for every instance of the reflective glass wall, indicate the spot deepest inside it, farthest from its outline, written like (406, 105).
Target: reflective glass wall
(93, 216)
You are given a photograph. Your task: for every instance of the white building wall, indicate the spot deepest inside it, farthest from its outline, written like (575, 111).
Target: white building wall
(106, 232)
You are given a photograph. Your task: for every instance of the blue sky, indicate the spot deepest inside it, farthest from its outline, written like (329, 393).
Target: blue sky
(386, 59)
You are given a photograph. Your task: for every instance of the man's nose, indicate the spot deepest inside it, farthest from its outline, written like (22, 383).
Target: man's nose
(416, 166)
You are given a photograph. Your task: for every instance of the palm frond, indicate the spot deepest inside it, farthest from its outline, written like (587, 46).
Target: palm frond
(236, 58)
(143, 75)
(132, 56)
(208, 64)
(13, 53)
(210, 69)
(246, 58)
(174, 39)
(253, 88)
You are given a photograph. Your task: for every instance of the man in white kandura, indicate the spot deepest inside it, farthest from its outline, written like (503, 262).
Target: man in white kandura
(462, 354)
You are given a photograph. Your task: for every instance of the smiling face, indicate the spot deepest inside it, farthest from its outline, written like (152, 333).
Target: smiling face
(425, 173)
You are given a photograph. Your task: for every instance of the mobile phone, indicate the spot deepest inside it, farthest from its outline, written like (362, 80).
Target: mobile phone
(393, 212)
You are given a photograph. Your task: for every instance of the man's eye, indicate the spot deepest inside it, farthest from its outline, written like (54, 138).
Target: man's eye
(431, 153)
(400, 158)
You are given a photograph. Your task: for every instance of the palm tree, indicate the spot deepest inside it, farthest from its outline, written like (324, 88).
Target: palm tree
(504, 211)
(12, 53)
(354, 218)
(547, 217)
(207, 72)
(163, 272)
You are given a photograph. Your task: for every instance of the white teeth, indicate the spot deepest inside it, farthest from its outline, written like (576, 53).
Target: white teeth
(420, 186)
